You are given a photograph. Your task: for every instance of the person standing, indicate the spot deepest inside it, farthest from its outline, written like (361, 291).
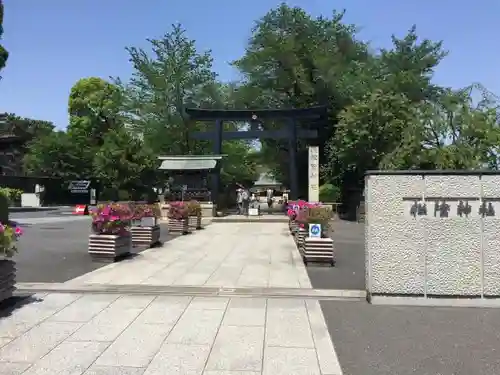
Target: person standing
(270, 193)
(245, 198)
(239, 201)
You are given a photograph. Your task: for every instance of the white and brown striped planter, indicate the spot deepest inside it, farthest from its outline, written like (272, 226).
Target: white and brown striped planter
(7, 278)
(194, 222)
(178, 226)
(300, 237)
(149, 236)
(318, 250)
(109, 247)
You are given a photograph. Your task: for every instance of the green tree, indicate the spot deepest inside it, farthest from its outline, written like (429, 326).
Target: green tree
(54, 155)
(4, 55)
(123, 163)
(25, 128)
(173, 76)
(93, 107)
(295, 60)
(94, 110)
(165, 81)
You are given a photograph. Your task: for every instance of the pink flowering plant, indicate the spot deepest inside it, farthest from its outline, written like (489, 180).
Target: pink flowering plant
(178, 211)
(141, 210)
(315, 214)
(9, 235)
(111, 218)
(294, 207)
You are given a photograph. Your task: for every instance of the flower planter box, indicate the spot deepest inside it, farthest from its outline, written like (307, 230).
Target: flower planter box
(318, 250)
(7, 278)
(194, 222)
(145, 235)
(300, 237)
(178, 226)
(109, 247)
(149, 221)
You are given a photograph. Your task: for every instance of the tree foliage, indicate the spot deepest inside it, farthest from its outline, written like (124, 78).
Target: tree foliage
(123, 163)
(4, 55)
(166, 80)
(96, 144)
(383, 109)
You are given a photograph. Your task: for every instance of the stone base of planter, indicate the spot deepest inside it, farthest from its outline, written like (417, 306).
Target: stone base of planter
(145, 235)
(7, 278)
(318, 250)
(300, 237)
(194, 222)
(108, 247)
(208, 209)
(178, 226)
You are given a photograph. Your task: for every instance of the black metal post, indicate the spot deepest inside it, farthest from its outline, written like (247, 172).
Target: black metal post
(292, 150)
(217, 150)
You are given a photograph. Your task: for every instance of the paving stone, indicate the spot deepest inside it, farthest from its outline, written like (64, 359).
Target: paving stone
(254, 275)
(327, 357)
(196, 327)
(286, 304)
(57, 300)
(237, 348)
(284, 278)
(10, 328)
(246, 312)
(286, 361)
(164, 310)
(208, 303)
(27, 316)
(288, 328)
(84, 309)
(108, 370)
(132, 302)
(107, 325)
(226, 276)
(12, 368)
(37, 342)
(176, 359)
(70, 357)
(5, 341)
(193, 278)
(216, 372)
(136, 346)
(226, 255)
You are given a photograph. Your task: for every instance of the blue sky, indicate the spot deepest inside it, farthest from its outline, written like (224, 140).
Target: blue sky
(53, 43)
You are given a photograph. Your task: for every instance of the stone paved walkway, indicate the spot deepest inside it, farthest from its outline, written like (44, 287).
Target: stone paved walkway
(221, 255)
(101, 334)
(136, 335)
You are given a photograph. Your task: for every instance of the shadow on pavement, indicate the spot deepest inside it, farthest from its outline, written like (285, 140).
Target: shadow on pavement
(387, 340)
(349, 270)
(8, 306)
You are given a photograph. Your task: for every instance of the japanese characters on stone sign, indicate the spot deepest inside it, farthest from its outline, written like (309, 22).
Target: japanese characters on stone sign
(313, 173)
(443, 207)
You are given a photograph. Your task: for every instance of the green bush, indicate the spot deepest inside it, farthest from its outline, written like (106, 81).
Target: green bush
(4, 208)
(13, 195)
(329, 193)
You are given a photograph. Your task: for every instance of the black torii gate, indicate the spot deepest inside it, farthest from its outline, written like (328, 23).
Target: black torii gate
(290, 132)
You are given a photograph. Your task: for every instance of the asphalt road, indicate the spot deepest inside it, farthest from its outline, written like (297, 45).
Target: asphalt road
(54, 247)
(392, 340)
(349, 270)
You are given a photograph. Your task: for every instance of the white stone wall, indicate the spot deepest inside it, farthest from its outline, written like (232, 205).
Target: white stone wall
(450, 249)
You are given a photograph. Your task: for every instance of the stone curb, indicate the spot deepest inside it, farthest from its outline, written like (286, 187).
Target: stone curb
(306, 293)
